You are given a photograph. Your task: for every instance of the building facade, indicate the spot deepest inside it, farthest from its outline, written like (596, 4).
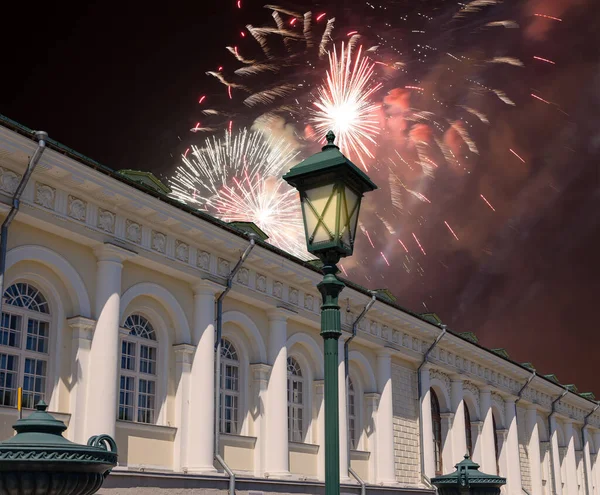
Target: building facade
(109, 316)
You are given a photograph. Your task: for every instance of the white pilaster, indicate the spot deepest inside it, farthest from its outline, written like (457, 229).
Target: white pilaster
(459, 439)
(102, 397)
(184, 356)
(371, 406)
(596, 463)
(555, 458)
(571, 484)
(277, 455)
(427, 440)
(448, 463)
(488, 458)
(260, 378)
(587, 459)
(202, 380)
(533, 449)
(319, 415)
(343, 416)
(81, 344)
(513, 472)
(386, 472)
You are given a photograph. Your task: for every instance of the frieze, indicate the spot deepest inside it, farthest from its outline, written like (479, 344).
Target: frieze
(45, 196)
(159, 242)
(182, 251)
(203, 260)
(77, 208)
(133, 231)
(9, 181)
(106, 221)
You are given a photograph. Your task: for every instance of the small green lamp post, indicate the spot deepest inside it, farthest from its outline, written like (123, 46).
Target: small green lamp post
(467, 479)
(38, 460)
(331, 188)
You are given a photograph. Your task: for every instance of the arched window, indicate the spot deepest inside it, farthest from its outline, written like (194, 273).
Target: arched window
(468, 434)
(295, 390)
(137, 382)
(24, 345)
(436, 420)
(496, 448)
(230, 389)
(352, 415)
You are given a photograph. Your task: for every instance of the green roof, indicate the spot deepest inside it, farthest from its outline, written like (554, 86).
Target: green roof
(572, 388)
(553, 378)
(588, 395)
(470, 336)
(529, 366)
(385, 295)
(431, 318)
(250, 228)
(147, 179)
(501, 352)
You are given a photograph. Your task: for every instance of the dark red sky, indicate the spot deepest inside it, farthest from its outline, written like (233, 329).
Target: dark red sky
(118, 82)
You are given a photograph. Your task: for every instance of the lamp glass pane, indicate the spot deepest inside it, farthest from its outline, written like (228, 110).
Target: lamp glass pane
(319, 198)
(349, 216)
(353, 207)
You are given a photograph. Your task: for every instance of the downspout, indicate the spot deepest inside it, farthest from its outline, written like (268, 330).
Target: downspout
(586, 468)
(363, 486)
(519, 395)
(420, 391)
(41, 137)
(219, 331)
(552, 412)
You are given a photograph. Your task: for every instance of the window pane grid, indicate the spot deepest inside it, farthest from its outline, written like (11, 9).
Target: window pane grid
(10, 333)
(295, 401)
(34, 382)
(137, 393)
(9, 366)
(351, 415)
(37, 336)
(229, 389)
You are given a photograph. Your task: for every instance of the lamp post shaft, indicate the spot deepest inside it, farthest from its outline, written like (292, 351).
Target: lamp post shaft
(331, 330)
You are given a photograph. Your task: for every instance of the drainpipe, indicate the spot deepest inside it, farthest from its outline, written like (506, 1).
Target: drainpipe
(420, 391)
(552, 412)
(219, 304)
(519, 395)
(363, 486)
(41, 137)
(587, 468)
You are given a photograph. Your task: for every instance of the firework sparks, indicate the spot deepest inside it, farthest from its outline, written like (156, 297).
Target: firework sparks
(515, 153)
(451, 231)
(344, 104)
(237, 178)
(487, 202)
(540, 98)
(419, 244)
(544, 60)
(548, 17)
(369, 237)
(403, 245)
(384, 258)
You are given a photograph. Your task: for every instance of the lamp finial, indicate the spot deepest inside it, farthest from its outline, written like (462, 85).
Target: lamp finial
(330, 136)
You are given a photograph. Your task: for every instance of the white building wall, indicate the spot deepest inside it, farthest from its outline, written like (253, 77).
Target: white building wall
(406, 425)
(523, 448)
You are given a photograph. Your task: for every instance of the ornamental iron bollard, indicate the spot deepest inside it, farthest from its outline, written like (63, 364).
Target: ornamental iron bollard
(38, 460)
(467, 479)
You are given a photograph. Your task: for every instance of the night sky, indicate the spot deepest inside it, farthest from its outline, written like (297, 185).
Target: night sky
(119, 82)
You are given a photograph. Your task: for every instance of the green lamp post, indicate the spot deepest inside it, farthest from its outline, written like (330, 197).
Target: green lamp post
(468, 480)
(331, 188)
(38, 460)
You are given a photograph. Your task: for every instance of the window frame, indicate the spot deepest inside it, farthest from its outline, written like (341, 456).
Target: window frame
(233, 363)
(22, 354)
(353, 417)
(496, 449)
(294, 407)
(468, 429)
(137, 375)
(436, 424)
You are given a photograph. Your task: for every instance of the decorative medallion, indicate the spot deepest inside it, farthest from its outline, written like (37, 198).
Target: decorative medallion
(203, 260)
(374, 327)
(223, 267)
(44, 196)
(9, 181)
(278, 290)
(159, 242)
(133, 231)
(243, 276)
(182, 251)
(436, 374)
(261, 283)
(294, 296)
(309, 302)
(106, 220)
(77, 208)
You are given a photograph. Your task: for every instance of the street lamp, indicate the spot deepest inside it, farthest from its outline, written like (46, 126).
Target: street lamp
(331, 188)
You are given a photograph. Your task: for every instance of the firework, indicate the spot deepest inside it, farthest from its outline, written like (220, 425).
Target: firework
(238, 178)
